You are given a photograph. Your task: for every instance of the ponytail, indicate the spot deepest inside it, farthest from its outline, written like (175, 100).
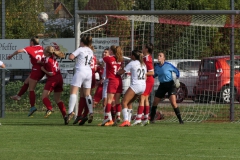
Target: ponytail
(117, 51)
(139, 56)
(59, 54)
(51, 50)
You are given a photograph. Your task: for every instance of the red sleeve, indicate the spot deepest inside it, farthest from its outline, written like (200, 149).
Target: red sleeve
(106, 59)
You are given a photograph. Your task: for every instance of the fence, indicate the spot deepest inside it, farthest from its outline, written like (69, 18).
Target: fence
(180, 36)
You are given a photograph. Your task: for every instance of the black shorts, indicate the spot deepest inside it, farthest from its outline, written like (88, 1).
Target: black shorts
(167, 87)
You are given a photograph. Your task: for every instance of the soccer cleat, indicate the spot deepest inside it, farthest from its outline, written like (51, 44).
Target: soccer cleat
(118, 119)
(109, 123)
(105, 121)
(90, 117)
(83, 120)
(70, 116)
(48, 113)
(181, 122)
(145, 122)
(137, 122)
(65, 120)
(125, 124)
(77, 120)
(32, 110)
(15, 97)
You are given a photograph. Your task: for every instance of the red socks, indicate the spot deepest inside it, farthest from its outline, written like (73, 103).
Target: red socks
(23, 89)
(62, 108)
(47, 103)
(32, 97)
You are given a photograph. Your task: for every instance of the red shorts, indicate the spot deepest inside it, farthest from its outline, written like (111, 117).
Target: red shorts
(93, 81)
(115, 86)
(149, 87)
(37, 74)
(98, 94)
(54, 84)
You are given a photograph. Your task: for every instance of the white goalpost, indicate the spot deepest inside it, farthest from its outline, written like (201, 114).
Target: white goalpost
(188, 32)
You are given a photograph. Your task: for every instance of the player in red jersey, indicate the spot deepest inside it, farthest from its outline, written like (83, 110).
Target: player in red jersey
(144, 106)
(54, 81)
(35, 52)
(114, 90)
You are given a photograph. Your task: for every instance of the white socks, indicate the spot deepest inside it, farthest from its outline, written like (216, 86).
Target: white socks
(129, 115)
(125, 114)
(89, 103)
(72, 103)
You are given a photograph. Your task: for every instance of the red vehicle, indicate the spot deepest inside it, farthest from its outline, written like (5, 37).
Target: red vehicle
(213, 82)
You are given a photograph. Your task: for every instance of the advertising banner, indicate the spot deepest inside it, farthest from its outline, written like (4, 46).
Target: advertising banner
(66, 45)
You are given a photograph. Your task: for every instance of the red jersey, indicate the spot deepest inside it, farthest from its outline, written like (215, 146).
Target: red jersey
(51, 65)
(93, 64)
(35, 54)
(148, 61)
(112, 67)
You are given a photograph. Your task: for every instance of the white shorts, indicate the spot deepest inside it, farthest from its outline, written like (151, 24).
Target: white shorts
(83, 78)
(137, 88)
(104, 91)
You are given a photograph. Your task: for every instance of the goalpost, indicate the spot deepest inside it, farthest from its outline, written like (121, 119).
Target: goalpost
(181, 34)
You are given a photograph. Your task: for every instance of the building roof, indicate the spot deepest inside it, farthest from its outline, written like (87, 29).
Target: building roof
(60, 6)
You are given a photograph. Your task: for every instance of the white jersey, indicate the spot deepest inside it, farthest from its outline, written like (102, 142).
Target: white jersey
(84, 57)
(138, 72)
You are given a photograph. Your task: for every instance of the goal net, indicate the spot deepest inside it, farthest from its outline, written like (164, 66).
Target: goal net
(185, 40)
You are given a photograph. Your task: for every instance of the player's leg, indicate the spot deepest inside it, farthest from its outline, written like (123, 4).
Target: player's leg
(72, 102)
(87, 84)
(23, 89)
(112, 88)
(172, 99)
(138, 119)
(146, 110)
(76, 83)
(81, 106)
(47, 102)
(108, 115)
(159, 94)
(32, 96)
(129, 95)
(61, 106)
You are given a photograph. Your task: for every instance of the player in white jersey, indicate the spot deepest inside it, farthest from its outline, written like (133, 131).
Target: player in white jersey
(82, 77)
(138, 84)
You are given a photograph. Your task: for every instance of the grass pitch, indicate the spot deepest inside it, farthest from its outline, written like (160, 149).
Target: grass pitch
(38, 138)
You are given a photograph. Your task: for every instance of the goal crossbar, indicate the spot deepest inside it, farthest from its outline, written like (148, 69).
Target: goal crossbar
(158, 12)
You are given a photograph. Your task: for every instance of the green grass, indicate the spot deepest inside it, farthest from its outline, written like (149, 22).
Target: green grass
(38, 138)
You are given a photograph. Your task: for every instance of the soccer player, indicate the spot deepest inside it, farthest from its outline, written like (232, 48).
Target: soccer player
(144, 106)
(83, 76)
(54, 81)
(83, 111)
(114, 88)
(138, 71)
(35, 52)
(167, 85)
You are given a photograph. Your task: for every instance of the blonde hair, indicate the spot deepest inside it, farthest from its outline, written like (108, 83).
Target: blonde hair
(117, 51)
(51, 50)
